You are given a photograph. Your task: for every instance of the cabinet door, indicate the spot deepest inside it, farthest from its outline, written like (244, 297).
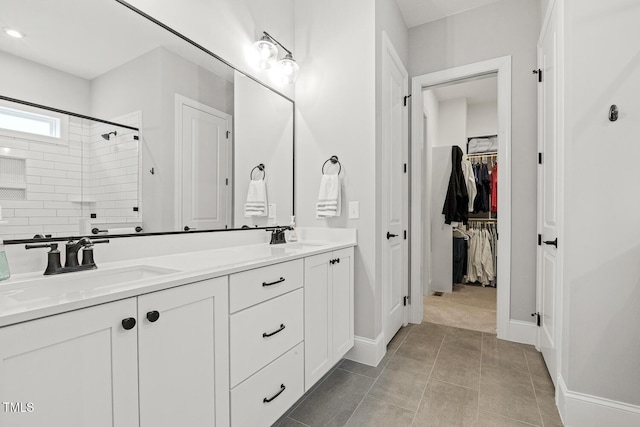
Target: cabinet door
(183, 355)
(317, 318)
(342, 303)
(75, 369)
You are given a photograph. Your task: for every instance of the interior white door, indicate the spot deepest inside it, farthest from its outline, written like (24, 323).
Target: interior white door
(547, 281)
(394, 190)
(205, 166)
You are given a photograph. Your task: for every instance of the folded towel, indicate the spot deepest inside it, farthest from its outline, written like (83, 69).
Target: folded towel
(329, 204)
(256, 204)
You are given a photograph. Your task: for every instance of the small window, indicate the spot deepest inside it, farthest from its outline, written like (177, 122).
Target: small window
(27, 122)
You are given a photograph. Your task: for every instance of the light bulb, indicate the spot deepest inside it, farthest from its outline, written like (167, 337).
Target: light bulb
(14, 33)
(289, 69)
(267, 52)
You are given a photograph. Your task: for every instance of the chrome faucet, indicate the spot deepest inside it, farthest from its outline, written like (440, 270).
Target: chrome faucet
(71, 263)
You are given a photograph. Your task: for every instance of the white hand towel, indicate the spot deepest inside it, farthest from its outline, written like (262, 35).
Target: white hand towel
(256, 204)
(329, 203)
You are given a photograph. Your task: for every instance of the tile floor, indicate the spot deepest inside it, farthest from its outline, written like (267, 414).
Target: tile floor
(435, 375)
(468, 306)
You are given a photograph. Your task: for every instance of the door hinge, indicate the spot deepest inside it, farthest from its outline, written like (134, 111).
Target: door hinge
(406, 98)
(405, 168)
(539, 239)
(539, 73)
(537, 316)
(226, 180)
(407, 300)
(539, 158)
(228, 133)
(405, 234)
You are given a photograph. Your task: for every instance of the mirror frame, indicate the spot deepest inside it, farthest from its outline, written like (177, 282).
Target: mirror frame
(83, 116)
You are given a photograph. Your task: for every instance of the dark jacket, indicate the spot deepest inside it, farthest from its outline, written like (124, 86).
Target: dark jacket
(456, 204)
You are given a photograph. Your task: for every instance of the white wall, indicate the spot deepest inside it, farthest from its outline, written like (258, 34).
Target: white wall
(335, 100)
(452, 125)
(33, 82)
(230, 27)
(482, 119)
(441, 243)
(507, 27)
(601, 349)
(263, 134)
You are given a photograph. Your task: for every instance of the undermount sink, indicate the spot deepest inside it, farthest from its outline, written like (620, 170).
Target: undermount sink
(71, 286)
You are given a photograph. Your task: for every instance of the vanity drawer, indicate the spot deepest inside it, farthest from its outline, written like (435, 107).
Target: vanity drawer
(286, 374)
(260, 334)
(254, 286)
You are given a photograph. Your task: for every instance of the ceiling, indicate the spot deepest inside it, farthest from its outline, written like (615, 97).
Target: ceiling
(418, 12)
(90, 37)
(476, 91)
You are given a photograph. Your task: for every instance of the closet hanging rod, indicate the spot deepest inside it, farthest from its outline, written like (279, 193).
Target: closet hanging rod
(483, 220)
(482, 155)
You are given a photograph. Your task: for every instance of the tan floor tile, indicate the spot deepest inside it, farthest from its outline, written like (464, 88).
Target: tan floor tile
(377, 413)
(548, 409)
(447, 405)
(457, 365)
(401, 388)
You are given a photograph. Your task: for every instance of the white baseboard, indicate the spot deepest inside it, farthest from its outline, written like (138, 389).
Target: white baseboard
(367, 351)
(523, 332)
(583, 410)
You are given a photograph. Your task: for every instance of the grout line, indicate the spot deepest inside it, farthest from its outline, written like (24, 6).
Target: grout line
(513, 419)
(537, 403)
(428, 379)
(363, 397)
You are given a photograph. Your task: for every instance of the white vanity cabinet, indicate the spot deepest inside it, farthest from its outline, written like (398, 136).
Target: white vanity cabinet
(328, 311)
(85, 368)
(77, 369)
(266, 332)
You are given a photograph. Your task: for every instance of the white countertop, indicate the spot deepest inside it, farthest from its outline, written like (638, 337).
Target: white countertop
(30, 296)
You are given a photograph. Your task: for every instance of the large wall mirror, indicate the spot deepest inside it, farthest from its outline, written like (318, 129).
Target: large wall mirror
(111, 123)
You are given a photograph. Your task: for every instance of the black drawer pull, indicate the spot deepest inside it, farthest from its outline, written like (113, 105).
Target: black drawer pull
(266, 335)
(282, 387)
(128, 323)
(273, 283)
(338, 260)
(152, 316)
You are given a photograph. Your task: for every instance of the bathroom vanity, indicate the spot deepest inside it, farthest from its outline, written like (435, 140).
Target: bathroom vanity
(227, 336)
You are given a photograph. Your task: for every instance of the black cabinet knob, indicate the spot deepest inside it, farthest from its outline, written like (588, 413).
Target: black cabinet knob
(128, 323)
(152, 316)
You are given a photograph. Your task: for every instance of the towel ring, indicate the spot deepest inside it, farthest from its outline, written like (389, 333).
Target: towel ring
(333, 160)
(261, 168)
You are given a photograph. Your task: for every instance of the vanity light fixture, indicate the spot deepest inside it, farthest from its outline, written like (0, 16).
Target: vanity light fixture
(268, 52)
(14, 33)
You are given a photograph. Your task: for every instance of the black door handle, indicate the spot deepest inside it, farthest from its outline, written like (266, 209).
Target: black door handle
(553, 242)
(273, 283)
(280, 329)
(267, 400)
(128, 323)
(152, 316)
(389, 235)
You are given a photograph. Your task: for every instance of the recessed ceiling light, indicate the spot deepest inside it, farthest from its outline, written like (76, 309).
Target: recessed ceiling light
(14, 33)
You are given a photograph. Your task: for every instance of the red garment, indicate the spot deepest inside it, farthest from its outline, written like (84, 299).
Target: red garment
(494, 189)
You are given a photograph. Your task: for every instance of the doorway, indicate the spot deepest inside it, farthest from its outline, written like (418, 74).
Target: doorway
(424, 203)
(203, 159)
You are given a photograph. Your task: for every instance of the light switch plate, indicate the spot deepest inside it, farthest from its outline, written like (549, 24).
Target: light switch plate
(272, 210)
(354, 210)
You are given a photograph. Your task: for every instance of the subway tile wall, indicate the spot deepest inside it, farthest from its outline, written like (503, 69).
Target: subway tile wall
(67, 182)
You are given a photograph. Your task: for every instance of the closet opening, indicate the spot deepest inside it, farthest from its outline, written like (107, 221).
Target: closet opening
(461, 124)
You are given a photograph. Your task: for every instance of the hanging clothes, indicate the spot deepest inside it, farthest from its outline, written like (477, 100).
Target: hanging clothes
(494, 188)
(483, 183)
(481, 254)
(470, 180)
(456, 203)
